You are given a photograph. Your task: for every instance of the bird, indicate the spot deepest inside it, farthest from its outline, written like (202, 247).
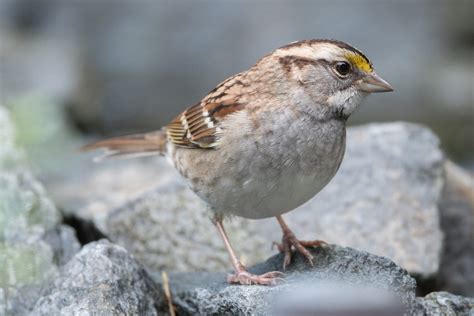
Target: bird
(266, 140)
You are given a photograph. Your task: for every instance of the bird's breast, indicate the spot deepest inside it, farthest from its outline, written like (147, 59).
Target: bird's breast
(264, 172)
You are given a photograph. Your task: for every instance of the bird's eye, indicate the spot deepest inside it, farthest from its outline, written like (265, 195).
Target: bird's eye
(342, 68)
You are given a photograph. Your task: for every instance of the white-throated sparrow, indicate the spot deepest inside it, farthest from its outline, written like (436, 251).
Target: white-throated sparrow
(266, 140)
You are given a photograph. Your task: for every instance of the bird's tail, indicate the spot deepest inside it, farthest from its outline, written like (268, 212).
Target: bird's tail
(130, 146)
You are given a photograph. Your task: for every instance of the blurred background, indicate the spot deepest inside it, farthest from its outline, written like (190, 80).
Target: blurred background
(70, 68)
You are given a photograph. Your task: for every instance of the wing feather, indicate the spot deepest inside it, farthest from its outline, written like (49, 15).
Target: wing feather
(198, 126)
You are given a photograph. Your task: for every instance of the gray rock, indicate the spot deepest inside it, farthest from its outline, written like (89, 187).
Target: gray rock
(102, 279)
(25, 215)
(383, 200)
(444, 303)
(29, 250)
(44, 133)
(10, 156)
(457, 221)
(62, 239)
(208, 293)
(92, 190)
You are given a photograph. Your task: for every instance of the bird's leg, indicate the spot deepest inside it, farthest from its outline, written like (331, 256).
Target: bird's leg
(289, 240)
(241, 275)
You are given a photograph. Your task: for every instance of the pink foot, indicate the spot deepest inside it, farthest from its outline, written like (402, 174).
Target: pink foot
(290, 241)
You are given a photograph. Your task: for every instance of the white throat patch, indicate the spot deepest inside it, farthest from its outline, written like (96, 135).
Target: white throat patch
(347, 99)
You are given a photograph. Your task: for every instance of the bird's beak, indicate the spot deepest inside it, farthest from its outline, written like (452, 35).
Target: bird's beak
(373, 83)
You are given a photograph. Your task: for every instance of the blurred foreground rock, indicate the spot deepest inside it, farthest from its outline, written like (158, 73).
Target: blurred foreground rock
(33, 244)
(383, 200)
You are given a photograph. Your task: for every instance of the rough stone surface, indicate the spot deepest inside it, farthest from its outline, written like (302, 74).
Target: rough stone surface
(208, 293)
(444, 303)
(383, 200)
(457, 221)
(102, 279)
(32, 245)
(62, 240)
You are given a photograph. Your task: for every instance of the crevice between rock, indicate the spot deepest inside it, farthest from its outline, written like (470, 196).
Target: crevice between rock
(86, 230)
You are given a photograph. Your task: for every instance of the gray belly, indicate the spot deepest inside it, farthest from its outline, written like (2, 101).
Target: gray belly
(259, 177)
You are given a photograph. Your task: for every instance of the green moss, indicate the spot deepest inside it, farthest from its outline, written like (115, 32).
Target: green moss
(42, 129)
(23, 205)
(38, 120)
(26, 213)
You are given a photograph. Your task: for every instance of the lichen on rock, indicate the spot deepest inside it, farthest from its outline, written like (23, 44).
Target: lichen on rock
(27, 215)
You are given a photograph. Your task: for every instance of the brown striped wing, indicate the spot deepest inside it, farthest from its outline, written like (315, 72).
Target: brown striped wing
(193, 128)
(199, 125)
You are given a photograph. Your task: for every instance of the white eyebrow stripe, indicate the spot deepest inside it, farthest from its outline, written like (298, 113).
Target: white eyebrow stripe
(327, 51)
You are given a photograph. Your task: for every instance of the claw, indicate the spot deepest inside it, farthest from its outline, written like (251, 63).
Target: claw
(289, 241)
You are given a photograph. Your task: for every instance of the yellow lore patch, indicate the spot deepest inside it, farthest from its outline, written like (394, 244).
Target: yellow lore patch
(359, 61)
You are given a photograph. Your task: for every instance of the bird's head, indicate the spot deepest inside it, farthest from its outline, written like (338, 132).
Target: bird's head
(333, 73)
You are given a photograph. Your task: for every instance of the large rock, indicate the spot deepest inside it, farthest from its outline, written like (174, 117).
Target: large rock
(93, 190)
(383, 200)
(102, 279)
(444, 303)
(457, 221)
(33, 244)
